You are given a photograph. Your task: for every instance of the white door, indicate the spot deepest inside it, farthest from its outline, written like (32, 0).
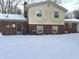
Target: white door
(78, 27)
(39, 29)
(54, 29)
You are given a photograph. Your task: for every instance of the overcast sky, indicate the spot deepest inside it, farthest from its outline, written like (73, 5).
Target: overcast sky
(68, 4)
(71, 4)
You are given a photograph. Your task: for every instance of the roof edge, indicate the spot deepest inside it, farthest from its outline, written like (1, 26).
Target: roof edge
(44, 2)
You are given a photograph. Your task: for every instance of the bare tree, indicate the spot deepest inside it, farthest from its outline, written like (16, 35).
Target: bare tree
(17, 11)
(56, 1)
(8, 6)
(76, 13)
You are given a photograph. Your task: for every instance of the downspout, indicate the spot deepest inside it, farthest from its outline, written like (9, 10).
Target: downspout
(26, 15)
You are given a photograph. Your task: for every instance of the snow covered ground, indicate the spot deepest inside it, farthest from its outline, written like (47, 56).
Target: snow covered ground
(64, 46)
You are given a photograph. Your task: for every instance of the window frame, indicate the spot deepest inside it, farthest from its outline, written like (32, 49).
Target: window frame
(54, 29)
(40, 28)
(39, 12)
(13, 25)
(10, 26)
(56, 14)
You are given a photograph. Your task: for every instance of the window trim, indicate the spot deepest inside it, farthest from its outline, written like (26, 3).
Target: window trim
(55, 28)
(56, 14)
(13, 25)
(10, 26)
(39, 12)
(42, 29)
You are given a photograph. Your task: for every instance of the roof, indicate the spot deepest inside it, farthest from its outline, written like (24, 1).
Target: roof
(44, 2)
(72, 20)
(12, 17)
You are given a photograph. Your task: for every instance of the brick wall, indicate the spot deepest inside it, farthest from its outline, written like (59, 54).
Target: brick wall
(73, 29)
(6, 27)
(47, 29)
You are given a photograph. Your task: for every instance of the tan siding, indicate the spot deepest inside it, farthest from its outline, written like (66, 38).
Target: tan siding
(48, 15)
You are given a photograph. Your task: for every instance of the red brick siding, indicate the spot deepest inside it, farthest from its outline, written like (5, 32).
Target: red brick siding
(11, 30)
(71, 30)
(25, 26)
(61, 29)
(47, 28)
(4, 29)
(31, 28)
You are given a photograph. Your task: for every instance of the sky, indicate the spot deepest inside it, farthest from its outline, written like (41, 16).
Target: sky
(68, 4)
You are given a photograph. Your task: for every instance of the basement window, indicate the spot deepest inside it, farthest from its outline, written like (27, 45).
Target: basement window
(39, 29)
(54, 29)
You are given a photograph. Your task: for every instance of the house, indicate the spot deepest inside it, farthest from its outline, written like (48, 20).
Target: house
(69, 15)
(71, 25)
(45, 17)
(13, 24)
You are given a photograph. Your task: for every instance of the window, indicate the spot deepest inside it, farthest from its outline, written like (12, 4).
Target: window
(39, 13)
(39, 29)
(70, 25)
(10, 26)
(7, 26)
(56, 14)
(54, 29)
(13, 25)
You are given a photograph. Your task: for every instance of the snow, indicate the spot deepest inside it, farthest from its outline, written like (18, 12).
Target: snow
(0, 34)
(72, 20)
(12, 17)
(64, 46)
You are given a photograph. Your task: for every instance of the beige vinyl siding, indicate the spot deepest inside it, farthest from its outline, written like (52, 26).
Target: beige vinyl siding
(47, 16)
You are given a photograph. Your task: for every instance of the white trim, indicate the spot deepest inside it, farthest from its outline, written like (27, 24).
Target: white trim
(54, 29)
(38, 11)
(39, 28)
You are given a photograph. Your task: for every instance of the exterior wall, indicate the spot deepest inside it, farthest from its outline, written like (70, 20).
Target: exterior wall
(32, 27)
(78, 27)
(48, 15)
(71, 30)
(4, 29)
(61, 29)
(47, 29)
(11, 30)
(21, 27)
